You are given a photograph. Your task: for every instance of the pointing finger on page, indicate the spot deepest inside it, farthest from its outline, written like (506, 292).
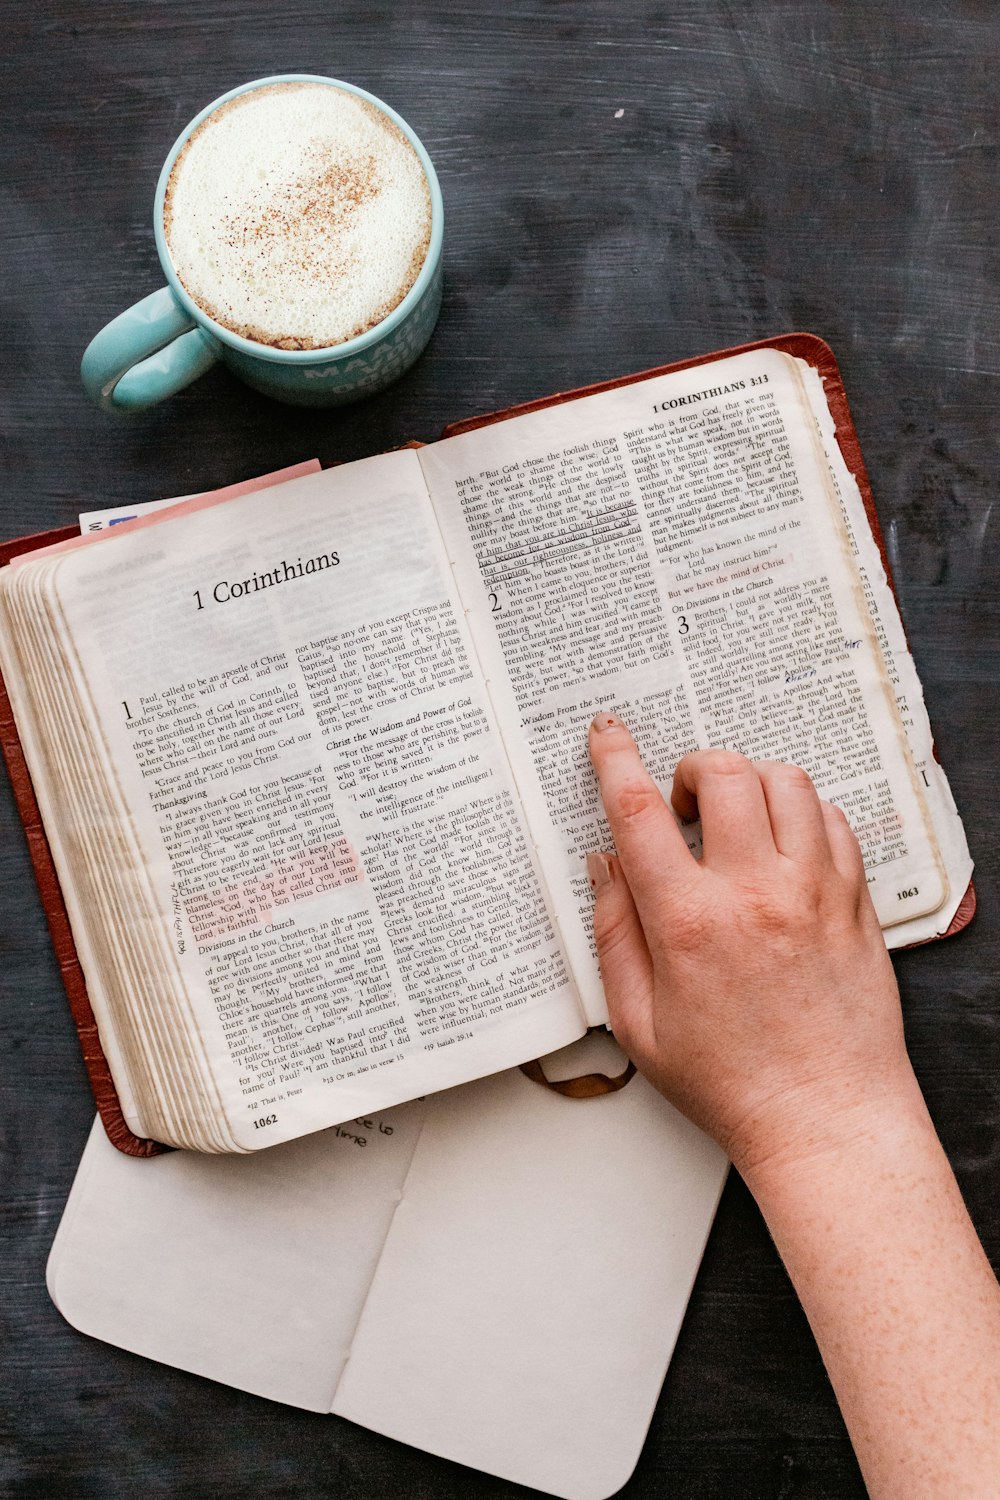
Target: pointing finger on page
(651, 847)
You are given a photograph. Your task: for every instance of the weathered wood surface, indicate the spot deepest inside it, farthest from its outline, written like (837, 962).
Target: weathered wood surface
(624, 185)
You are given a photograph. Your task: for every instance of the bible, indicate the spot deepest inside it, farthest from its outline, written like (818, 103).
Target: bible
(312, 763)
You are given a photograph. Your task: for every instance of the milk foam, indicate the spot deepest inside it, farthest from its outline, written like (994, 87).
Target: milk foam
(297, 215)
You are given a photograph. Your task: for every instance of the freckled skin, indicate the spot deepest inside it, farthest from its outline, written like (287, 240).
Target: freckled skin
(755, 991)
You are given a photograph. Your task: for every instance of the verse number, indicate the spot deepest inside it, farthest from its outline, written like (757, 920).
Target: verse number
(495, 605)
(911, 890)
(265, 1120)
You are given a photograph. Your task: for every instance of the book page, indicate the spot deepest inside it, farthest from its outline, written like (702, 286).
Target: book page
(902, 674)
(675, 550)
(315, 802)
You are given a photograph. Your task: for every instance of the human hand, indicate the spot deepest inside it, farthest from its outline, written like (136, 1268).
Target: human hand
(753, 988)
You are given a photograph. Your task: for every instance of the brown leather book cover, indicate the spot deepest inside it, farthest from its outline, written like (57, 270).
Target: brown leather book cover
(804, 346)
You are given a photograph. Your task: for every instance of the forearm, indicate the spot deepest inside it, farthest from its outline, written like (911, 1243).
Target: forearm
(900, 1297)
(754, 989)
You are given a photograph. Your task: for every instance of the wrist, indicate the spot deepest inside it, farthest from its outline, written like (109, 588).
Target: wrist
(814, 1127)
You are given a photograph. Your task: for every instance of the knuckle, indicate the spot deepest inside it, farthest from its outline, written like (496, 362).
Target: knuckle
(795, 776)
(638, 802)
(786, 775)
(772, 913)
(725, 762)
(612, 930)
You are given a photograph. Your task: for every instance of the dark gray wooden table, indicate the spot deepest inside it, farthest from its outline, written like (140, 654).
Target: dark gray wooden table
(625, 185)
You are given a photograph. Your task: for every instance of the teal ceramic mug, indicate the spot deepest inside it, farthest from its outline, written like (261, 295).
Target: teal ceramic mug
(160, 345)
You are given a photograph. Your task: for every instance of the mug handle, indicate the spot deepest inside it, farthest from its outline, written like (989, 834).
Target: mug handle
(145, 354)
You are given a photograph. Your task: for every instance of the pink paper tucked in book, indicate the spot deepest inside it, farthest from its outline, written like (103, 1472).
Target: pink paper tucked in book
(151, 513)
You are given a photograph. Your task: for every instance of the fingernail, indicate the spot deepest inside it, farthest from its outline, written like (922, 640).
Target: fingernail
(600, 871)
(605, 720)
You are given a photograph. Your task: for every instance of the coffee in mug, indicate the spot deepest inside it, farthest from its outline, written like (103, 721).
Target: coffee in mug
(297, 215)
(299, 224)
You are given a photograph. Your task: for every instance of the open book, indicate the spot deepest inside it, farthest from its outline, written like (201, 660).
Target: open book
(312, 762)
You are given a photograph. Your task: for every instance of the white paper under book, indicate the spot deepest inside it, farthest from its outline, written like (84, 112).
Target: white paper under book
(497, 1275)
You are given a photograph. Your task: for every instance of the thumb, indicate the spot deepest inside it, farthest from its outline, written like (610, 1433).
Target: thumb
(622, 952)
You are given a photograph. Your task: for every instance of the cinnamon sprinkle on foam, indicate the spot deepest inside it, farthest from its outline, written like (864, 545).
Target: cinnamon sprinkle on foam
(297, 215)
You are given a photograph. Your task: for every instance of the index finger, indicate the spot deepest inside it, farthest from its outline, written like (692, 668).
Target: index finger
(650, 845)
